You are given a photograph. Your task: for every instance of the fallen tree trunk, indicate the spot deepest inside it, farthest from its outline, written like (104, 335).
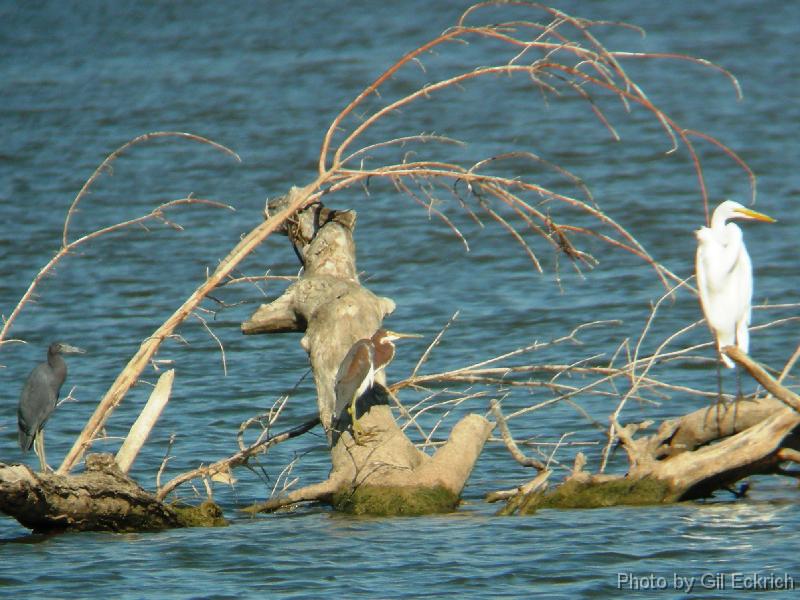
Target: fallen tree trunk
(690, 457)
(386, 473)
(102, 498)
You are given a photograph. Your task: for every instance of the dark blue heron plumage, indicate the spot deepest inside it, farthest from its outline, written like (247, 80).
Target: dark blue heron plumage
(40, 394)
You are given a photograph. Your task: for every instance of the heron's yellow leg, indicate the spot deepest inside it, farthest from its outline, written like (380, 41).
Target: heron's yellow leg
(359, 434)
(38, 448)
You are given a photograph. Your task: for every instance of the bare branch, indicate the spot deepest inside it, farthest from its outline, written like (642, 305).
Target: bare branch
(224, 466)
(512, 446)
(106, 166)
(130, 373)
(156, 214)
(759, 374)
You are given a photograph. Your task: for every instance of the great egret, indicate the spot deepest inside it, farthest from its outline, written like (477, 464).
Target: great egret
(356, 375)
(725, 276)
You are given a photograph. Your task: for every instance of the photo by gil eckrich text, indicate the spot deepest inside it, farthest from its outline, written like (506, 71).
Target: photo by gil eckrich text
(688, 583)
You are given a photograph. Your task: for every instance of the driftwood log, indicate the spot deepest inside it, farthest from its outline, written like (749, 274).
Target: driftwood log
(686, 458)
(102, 498)
(385, 473)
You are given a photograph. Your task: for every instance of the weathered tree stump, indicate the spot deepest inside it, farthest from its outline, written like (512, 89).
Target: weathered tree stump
(102, 498)
(386, 473)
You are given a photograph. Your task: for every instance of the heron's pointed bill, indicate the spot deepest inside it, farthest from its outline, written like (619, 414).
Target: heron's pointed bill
(67, 349)
(394, 335)
(752, 214)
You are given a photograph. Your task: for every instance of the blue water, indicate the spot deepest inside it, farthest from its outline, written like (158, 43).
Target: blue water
(266, 79)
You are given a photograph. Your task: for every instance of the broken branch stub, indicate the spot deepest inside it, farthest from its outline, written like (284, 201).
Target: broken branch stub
(385, 473)
(141, 428)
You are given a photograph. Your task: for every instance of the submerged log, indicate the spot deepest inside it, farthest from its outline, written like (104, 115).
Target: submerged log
(102, 498)
(384, 473)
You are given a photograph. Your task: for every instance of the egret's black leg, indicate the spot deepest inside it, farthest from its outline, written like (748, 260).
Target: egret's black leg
(719, 396)
(739, 395)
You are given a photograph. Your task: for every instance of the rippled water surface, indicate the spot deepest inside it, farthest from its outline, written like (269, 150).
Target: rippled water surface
(77, 80)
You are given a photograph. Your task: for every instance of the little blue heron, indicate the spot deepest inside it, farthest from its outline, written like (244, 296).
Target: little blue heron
(356, 374)
(40, 396)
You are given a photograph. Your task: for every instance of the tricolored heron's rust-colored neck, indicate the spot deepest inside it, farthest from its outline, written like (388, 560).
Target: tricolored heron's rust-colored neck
(383, 342)
(384, 352)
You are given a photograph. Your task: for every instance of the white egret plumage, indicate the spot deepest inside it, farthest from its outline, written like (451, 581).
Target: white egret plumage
(725, 276)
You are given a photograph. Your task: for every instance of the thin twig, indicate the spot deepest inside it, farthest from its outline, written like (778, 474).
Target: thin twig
(423, 359)
(216, 339)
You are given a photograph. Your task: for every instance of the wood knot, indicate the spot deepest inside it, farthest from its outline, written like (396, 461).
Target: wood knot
(103, 463)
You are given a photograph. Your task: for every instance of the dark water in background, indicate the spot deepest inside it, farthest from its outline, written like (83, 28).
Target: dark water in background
(266, 79)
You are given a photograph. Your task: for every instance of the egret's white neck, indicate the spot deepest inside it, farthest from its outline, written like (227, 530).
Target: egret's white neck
(719, 218)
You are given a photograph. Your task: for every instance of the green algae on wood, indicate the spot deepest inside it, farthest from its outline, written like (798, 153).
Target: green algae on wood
(389, 501)
(207, 514)
(588, 494)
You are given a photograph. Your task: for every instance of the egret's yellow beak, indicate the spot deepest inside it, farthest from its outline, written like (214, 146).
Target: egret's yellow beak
(394, 335)
(752, 214)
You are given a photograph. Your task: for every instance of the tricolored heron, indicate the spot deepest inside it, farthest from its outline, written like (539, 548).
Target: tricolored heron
(356, 374)
(40, 396)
